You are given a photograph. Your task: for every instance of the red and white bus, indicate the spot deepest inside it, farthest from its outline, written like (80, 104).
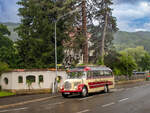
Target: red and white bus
(88, 79)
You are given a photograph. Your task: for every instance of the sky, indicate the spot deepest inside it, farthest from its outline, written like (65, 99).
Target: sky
(132, 15)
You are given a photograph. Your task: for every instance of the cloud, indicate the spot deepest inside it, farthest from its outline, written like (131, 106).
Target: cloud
(132, 16)
(129, 1)
(9, 11)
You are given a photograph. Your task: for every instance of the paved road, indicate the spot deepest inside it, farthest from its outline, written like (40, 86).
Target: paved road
(125, 99)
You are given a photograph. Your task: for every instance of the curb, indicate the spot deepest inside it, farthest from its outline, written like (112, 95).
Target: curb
(129, 81)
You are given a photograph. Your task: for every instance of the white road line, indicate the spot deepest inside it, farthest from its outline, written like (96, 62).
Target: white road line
(86, 98)
(13, 109)
(123, 99)
(120, 89)
(136, 87)
(128, 88)
(56, 103)
(87, 110)
(108, 104)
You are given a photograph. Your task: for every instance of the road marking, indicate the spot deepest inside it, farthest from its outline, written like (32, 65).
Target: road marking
(87, 110)
(123, 99)
(14, 109)
(86, 98)
(108, 104)
(136, 87)
(56, 103)
(27, 102)
(120, 89)
(128, 88)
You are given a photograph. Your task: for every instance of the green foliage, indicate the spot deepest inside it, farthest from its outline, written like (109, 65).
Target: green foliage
(145, 62)
(137, 53)
(3, 67)
(122, 64)
(127, 64)
(4, 94)
(8, 52)
(100, 62)
(36, 46)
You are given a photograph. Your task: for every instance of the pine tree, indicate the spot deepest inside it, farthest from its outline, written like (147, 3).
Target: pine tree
(36, 46)
(104, 28)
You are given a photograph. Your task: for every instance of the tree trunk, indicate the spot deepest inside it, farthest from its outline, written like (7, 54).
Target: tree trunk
(84, 31)
(102, 52)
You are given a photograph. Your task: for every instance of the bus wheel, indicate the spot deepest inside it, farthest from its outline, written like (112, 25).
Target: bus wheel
(84, 92)
(106, 89)
(65, 95)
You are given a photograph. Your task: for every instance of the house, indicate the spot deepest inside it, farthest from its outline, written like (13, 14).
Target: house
(31, 80)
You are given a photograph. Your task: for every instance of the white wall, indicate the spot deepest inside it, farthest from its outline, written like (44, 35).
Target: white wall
(3, 84)
(48, 77)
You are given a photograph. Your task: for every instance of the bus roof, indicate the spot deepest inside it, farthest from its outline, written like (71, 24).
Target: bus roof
(89, 68)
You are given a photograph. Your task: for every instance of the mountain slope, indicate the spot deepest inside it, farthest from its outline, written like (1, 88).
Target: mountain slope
(132, 39)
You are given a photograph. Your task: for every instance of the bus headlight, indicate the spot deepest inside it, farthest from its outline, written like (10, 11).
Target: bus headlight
(76, 84)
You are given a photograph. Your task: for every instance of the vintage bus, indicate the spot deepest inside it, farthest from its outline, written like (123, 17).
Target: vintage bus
(88, 79)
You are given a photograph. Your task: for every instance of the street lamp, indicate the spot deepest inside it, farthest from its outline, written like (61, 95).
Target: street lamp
(69, 13)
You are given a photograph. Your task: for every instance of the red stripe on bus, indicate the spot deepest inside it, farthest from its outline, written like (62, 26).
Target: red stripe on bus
(99, 84)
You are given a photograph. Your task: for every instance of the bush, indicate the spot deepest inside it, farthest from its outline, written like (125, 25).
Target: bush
(0, 88)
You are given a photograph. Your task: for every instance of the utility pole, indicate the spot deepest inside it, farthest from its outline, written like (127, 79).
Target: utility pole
(84, 31)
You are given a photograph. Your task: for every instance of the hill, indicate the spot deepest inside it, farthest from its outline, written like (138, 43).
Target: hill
(11, 27)
(124, 40)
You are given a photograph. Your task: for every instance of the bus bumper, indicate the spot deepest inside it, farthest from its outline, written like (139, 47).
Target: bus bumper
(70, 91)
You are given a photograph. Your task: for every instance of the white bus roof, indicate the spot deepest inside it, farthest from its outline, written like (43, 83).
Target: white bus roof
(89, 68)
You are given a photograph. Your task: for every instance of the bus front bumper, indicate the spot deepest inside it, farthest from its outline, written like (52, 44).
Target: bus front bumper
(70, 91)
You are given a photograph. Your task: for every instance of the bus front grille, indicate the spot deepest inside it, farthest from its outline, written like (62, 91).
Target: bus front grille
(67, 86)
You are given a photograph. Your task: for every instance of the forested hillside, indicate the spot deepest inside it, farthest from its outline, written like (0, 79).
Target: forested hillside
(131, 40)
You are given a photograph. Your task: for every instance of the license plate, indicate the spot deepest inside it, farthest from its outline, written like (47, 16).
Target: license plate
(67, 93)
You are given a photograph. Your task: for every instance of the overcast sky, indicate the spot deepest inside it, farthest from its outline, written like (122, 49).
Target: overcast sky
(132, 15)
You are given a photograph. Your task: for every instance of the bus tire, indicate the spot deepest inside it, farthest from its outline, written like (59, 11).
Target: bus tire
(106, 89)
(65, 95)
(84, 92)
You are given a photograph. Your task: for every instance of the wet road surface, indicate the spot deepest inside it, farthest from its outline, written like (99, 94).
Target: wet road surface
(125, 99)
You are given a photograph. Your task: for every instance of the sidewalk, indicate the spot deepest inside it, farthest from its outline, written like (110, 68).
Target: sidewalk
(24, 98)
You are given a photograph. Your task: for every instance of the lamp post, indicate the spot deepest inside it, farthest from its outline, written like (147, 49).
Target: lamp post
(69, 13)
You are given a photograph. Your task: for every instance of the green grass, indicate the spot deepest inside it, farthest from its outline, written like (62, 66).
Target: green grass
(4, 93)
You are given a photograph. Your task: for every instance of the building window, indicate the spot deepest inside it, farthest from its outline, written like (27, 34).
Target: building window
(30, 79)
(20, 79)
(6, 80)
(41, 78)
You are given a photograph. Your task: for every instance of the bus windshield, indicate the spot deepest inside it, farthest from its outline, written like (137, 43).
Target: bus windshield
(72, 75)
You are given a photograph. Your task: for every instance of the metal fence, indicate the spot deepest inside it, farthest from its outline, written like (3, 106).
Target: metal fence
(133, 77)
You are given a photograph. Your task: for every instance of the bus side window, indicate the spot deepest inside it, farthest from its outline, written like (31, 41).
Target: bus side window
(96, 74)
(89, 74)
(101, 73)
(107, 73)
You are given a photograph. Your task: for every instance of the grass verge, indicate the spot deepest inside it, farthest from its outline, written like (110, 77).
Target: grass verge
(4, 94)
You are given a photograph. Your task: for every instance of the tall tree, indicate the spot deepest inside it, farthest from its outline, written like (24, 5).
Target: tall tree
(103, 28)
(8, 54)
(36, 46)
